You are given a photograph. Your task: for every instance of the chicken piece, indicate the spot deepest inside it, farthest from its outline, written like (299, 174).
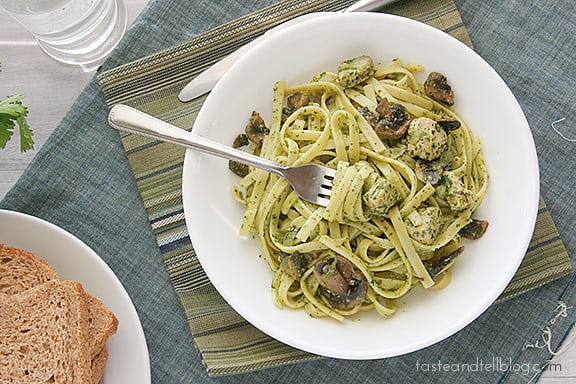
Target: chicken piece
(355, 71)
(426, 139)
(380, 197)
(424, 224)
(453, 191)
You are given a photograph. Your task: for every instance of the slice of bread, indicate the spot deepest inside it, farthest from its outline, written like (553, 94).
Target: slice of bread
(99, 365)
(21, 270)
(102, 324)
(43, 333)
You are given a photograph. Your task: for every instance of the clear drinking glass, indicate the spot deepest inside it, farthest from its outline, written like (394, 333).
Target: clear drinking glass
(81, 32)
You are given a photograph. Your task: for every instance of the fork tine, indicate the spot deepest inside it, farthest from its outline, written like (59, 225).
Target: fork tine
(322, 201)
(312, 182)
(327, 183)
(329, 173)
(325, 187)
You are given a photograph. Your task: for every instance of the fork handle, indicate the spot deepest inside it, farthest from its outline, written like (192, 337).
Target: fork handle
(368, 5)
(125, 118)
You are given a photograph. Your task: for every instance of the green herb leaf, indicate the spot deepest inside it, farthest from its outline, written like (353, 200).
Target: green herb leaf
(13, 113)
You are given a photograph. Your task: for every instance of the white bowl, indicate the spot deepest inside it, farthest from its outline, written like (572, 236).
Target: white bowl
(424, 317)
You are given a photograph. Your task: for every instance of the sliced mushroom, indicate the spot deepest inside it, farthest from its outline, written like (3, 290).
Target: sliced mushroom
(371, 117)
(429, 171)
(256, 128)
(296, 263)
(355, 71)
(436, 86)
(344, 286)
(440, 263)
(238, 169)
(474, 230)
(394, 120)
(297, 100)
(449, 125)
(240, 141)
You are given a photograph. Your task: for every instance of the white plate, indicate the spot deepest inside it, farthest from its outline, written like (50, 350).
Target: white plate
(483, 100)
(71, 259)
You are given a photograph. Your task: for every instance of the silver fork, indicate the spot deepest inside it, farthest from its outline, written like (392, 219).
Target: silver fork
(311, 182)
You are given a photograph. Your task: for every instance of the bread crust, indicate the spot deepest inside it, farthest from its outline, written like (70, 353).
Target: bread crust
(99, 365)
(21, 270)
(103, 324)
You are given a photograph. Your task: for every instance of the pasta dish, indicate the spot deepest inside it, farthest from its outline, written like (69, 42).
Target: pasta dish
(409, 177)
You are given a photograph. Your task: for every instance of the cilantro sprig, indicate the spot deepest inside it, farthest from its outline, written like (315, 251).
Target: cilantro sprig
(13, 113)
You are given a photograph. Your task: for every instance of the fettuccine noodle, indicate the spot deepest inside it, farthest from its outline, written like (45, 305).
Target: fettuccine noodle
(392, 222)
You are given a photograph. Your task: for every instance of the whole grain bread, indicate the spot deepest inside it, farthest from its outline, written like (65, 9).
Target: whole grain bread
(102, 324)
(98, 365)
(21, 270)
(43, 333)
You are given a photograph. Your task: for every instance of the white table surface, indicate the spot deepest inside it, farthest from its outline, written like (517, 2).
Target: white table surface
(50, 88)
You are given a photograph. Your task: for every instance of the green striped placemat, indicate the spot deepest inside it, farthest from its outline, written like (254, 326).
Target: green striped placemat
(227, 343)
